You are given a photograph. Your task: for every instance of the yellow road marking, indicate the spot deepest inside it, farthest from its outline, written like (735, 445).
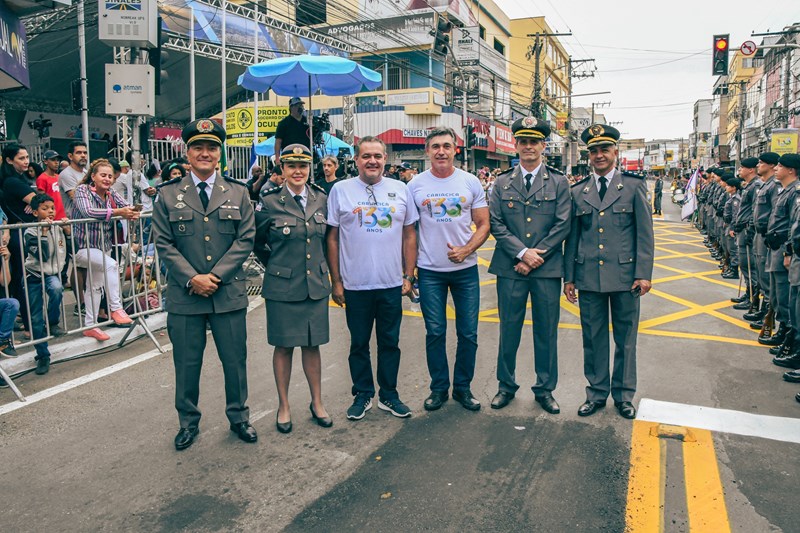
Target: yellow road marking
(644, 512)
(704, 496)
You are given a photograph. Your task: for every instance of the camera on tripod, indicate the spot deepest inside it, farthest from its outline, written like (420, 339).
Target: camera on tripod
(41, 125)
(320, 123)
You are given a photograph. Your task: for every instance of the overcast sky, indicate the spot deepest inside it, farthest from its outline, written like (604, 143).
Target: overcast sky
(654, 57)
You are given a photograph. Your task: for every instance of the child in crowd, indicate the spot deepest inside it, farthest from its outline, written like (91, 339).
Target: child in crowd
(9, 307)
(45, 255)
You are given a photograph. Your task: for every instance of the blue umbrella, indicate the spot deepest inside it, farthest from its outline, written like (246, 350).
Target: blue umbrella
(331, 145)
(304, 75)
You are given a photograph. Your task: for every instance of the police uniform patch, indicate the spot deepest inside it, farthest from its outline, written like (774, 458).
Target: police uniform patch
(597, 130)
(205, 126)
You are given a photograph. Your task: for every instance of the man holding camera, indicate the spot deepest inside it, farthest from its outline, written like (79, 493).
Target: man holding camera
(292, 129)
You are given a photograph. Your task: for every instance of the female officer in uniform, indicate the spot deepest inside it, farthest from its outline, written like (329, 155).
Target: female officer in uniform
(290, 240)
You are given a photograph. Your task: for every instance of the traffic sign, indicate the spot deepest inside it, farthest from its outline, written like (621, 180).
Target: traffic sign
(748, 48)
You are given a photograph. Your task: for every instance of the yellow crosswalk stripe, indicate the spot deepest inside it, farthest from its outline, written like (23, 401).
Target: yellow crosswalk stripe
(704, 497)
(644, 512)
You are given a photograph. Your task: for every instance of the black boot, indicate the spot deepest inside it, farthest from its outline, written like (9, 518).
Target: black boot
(743, 298)
(731, 273)
(776, 339)
(755, 313)
(791, 361)
(785, 349)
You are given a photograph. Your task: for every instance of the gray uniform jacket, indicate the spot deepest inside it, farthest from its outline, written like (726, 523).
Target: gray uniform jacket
(780, 224)
(538, 218)
(764, 203)
(291, 245)
(794, 241)
(192, 240)
(743, 221)
(611, 242)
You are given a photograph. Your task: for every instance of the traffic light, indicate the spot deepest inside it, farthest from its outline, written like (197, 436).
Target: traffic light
(720, 55)
(157, 56)
(441, 35)
(459, 154)
(470, 139)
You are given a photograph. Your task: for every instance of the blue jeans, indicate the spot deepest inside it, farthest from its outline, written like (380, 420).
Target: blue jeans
(54, 290)
(465, 288)
(9, 307)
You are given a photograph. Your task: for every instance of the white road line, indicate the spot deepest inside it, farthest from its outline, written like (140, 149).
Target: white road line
(720, 420)
(103, 372)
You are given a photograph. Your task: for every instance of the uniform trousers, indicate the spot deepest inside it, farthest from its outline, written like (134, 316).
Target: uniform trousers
(760, 252)
(188, 336)
(733, 249)
(594, 307)
(512, 300)
(747, 260)
(779, 295)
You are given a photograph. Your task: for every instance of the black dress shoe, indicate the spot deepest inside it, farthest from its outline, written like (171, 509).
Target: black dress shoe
(466, 399)
(185, 438)
(435, 400)
(626, 409)
(283, 427)
(548, 403)
(501, 399)
(325, 422)
(245, 431)
(589, 407)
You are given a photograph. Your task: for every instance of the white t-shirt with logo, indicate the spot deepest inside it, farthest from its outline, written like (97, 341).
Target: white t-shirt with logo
(371, 231)
(445, 216)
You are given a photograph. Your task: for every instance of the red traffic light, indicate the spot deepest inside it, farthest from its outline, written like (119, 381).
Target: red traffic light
(721, 44)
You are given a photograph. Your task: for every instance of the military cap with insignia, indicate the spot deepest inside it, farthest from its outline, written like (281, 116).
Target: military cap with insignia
(600, 135)
(749, 162)
(531, 128)
(203, 129)
(790, 161)
(770, 158)
(296, 153)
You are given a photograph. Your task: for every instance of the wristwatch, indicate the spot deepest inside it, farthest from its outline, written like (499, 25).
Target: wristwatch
(411, 279)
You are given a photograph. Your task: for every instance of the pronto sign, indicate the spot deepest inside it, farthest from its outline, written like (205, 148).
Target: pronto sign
(239, 124)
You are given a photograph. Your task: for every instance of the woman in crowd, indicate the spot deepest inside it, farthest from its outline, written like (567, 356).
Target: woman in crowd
(290, 240)
(18, 190)
(172, 171)
(94, 198)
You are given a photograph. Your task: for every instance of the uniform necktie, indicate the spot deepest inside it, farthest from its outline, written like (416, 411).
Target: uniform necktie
(203, 194)
(528, 181)
(299, 199)
(603, 187)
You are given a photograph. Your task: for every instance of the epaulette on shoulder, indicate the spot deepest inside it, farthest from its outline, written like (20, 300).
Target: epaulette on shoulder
(169, 182)
(271, 190)
(507, 171)
(553, 170)
(234, 180)
(317, 187)
(579, 182)
(630, 174)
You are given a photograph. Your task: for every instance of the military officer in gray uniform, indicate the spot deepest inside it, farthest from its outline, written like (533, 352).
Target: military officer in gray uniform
(789, 355)
(529, 210)
(609, 259)
(204, 233)
(731, 209)
(745, 232)
(761, 210)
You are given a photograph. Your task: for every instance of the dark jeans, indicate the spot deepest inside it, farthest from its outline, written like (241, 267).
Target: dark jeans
(465, 289)
(384, 309)
(9, 307)
(54, 291)
(16, 288)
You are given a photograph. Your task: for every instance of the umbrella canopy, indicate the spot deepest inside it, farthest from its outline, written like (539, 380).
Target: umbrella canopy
(330, 143)
(304, 75)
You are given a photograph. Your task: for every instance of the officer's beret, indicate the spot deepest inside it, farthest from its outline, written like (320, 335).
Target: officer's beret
(600, 135)
(770, 158)
(749, 162)
(726, 176)
(297, 153)
(733, 181)
(203, 129)
(711, 170)
(790, 161)
(530, 127)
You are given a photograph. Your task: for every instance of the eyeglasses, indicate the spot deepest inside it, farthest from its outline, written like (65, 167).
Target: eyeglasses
(371, 194)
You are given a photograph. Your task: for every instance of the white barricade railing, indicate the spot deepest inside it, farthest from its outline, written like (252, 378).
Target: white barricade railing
(136, 282)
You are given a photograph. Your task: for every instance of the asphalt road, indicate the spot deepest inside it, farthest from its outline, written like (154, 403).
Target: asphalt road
(98, 455)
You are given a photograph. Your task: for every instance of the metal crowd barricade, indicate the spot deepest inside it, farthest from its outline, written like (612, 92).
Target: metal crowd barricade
(138, 277)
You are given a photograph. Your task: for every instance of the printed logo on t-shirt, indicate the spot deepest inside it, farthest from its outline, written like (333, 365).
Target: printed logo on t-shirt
(375, 218)
(444, 207)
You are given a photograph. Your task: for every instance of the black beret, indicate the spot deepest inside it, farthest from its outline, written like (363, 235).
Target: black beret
(203, 129)
(749, 162)
(734, 182)
(727, 176)
(790, 161)
(770, 158)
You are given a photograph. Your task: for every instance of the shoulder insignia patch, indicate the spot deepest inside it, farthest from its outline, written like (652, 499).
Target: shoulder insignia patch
(273, 190)
(580, 182)
(632, 174)
(234, 180)
(317, 188)
(168, 182)
(553, 170)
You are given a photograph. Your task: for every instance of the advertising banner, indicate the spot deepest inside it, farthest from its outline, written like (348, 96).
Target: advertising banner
(13, 51)
(504, 140)
(239, 124)
(784, 141)
(385, 33)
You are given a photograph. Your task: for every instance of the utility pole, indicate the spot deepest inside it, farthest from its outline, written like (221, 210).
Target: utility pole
(740, 126)
(570, 75)
(84, 88)
(598, 104)
(536, 51)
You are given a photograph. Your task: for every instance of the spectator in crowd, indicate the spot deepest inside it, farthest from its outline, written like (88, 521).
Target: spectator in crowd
(94, 198)
(293, 128)
(329, 167)
(406, 173)
(46, 253)
(9, 307)
(70, 177)
(62, 165)
(173, 171)
(256, 182)
(33, 172)
(17, 192)
(47, 182)
(290, 232)
(275, 180)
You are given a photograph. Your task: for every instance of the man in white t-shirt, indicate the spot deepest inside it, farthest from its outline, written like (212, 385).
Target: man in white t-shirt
(70, 177)
(449, 200)
(372, 251)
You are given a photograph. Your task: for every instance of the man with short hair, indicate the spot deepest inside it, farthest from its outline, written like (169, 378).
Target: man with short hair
(70, 177)
(658, 191)
(609, 259)
(329, 167)
(530, 210)
(293, 128)
(47, 182)
(745, 231)
(372, 252)
(449, 201)
(406, 173)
